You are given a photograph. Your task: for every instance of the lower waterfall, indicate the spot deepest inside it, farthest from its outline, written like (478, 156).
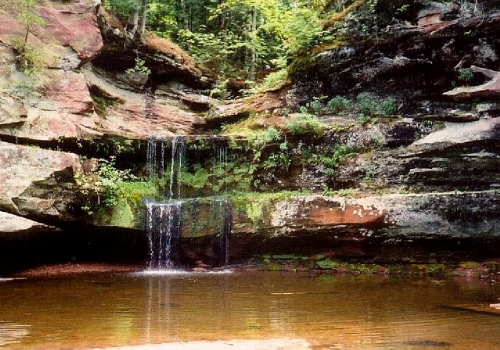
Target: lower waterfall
(164, 220)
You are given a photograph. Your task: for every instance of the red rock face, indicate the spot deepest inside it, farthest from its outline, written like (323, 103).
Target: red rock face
(433, 22)
(9, 28)
(351, 215)
(76, 27)
(70, 93)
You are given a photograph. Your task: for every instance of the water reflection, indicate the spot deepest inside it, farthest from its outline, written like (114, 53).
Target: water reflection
(12, 333)
(335, 312)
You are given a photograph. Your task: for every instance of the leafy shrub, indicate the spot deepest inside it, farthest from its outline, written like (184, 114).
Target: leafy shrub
(338, 104)
(103, 181)
(27, 58)
(316, 105)
(121, 8)
(389, 106)
(306, 123)
(465, 74)
(140, 67)
(368, 106)
(271, 81)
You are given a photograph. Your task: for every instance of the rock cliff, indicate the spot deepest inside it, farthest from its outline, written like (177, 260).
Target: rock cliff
(403, 164)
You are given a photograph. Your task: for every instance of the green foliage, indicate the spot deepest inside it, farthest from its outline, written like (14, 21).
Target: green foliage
(367, 105)
(103, 182)
(338, 104)
(197, 180)
(220, 89)
(239, 38)
(27, 58)
(316, 104)
(327, 264)
(28, 17)
(140, 67)
(370, 107)
(102, 103)
(279, 160)
(271, 81)
(305, 123)
(364, 119)
(465, 74)
(333, 158)
(372, 4)
(122, 8)
(389, 106)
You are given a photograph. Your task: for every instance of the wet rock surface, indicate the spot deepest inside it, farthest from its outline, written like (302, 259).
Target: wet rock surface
(36, 183)
(419, 182)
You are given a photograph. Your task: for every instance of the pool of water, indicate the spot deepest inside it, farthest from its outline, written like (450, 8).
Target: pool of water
(330, 312)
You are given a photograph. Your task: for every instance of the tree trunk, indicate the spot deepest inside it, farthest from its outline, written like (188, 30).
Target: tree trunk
(136, 18)
(184, 14)
(144, 11)
(253, 67)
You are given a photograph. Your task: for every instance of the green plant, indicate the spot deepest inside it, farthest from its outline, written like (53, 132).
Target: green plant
(370, 172)
(220, 90)
(316, 104)
(140, 68)
(103, 182)
(271, 81)
(338, 104)
(403, 8)
(333, 158)
(368, 106)
(465, 74)
(280, 160)
(122, 8)
(197, 180)
(28, 17)
(272, 134)
(27, 58)
(364, 119)
(306, 123)
(389, 106)
(327, 264)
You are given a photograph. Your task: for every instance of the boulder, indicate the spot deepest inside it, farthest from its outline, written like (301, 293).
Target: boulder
(267, 102)
(490, 89)
(13, 226)
(37, 183)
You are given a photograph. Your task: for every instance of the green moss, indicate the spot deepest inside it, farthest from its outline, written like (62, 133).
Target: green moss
(287, 257)
(327, 264)
(197, 180)
(122, 215)
(469, 264)
(101, 102)
(254, 204)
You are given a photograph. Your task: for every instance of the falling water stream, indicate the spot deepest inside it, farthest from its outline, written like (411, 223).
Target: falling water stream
(164, 220)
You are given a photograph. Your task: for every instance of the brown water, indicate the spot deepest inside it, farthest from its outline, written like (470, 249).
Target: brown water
(331, 312)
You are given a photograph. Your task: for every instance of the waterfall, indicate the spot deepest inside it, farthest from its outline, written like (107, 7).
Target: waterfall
(219, 165)
(152, 156)
(164, 220)
(225, 232)
(178, 153)
(163, 226)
